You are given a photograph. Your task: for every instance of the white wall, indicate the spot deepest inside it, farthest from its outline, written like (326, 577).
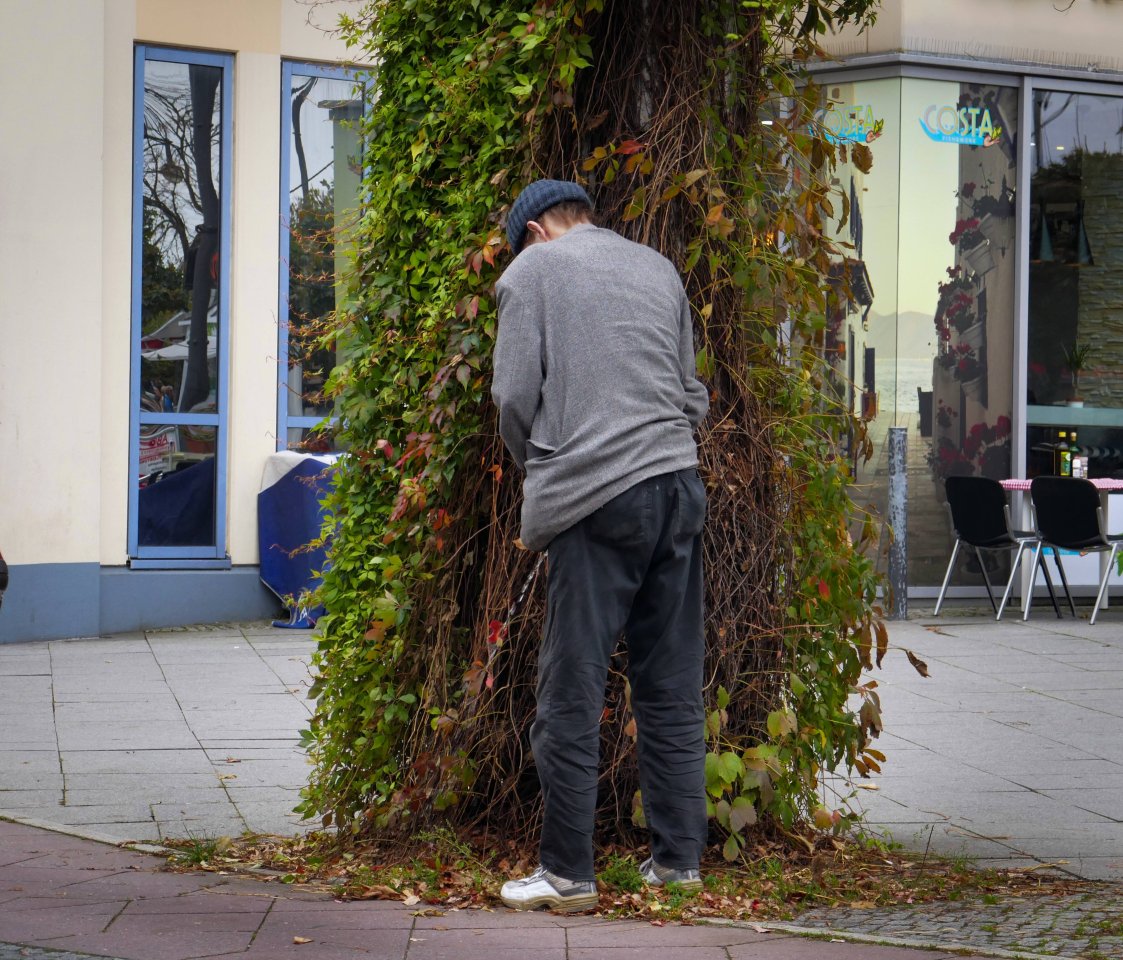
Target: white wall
(260, 32)
(65, 253)
(120, 27)
(254, 271)
(51, 270)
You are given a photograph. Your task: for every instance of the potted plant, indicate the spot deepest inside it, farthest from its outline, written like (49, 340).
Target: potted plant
(973, 244)
(966, 234)
(1076, 359)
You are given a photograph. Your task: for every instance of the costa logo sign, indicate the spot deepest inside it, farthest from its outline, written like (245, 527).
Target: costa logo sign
(845, 124)
(969, 126)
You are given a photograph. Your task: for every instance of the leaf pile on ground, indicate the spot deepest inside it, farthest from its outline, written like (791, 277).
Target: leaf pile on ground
(776, 880)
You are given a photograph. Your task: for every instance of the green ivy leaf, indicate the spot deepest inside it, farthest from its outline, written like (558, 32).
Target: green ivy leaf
(742, 814)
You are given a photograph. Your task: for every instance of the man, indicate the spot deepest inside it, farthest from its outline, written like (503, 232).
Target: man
(598, 402)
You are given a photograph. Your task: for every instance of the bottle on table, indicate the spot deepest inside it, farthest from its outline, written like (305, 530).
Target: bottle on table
(1062, 456)
(1079, 463)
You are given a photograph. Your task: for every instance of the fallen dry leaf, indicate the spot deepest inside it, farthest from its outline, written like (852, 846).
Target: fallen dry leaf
(921, 666)
(301, 940)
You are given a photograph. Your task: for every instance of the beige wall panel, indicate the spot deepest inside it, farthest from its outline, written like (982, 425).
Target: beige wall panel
(1040, 31)
(311, 31)
(237, 25)
(1084, 35)
(253, 301)
(885, 34)
(50, 280)
(116, 250)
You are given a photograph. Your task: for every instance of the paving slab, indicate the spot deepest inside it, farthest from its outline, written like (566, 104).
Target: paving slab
(1022, 762)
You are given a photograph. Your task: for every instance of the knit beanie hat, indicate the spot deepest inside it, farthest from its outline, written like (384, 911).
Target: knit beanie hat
(535, 200)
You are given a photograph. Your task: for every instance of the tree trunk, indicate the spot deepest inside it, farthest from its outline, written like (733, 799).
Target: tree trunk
(197, 380)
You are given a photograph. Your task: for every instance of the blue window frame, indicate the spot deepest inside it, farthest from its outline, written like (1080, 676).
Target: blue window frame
(320, 175)
(179, 367)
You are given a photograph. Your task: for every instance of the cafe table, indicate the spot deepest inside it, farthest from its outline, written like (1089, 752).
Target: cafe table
(1105, 485)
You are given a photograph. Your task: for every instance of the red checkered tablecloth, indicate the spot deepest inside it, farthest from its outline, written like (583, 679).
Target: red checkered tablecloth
(1101, 483)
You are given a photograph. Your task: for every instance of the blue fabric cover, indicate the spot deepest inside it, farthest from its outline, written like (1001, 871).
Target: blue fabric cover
(178, 510)
(289, 516)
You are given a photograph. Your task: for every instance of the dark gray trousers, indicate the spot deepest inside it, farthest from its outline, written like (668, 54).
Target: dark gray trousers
(632, 567)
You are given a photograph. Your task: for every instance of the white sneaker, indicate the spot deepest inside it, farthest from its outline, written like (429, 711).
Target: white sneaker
(545, 889)
(657, 876)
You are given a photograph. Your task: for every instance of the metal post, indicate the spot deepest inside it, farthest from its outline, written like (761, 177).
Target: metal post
(898, 521)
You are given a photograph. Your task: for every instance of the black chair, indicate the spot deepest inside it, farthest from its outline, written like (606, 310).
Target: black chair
(1070, 517)
(980, 517)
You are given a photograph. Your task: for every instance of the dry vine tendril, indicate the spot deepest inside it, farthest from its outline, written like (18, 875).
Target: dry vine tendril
(424, 694)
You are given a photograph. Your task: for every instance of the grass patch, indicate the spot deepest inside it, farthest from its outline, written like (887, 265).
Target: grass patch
(622, 874)
(198, 851)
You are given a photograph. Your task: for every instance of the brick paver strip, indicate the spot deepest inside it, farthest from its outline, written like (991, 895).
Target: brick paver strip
(65, 898)
(13, 951)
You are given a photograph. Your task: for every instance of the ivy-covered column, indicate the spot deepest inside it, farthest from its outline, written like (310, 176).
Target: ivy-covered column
(425, 692)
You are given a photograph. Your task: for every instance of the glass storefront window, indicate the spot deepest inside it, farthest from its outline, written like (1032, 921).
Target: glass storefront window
(926, 341)
(180, 233)
(1074, 379)
(321, 166)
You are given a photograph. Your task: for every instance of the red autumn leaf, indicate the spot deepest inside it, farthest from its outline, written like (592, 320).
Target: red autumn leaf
(496, 631)
(386, 448)
(824, 590)
(629, 147)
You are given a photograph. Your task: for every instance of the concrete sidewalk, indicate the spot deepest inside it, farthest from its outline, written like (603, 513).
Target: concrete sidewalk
(178, 733)
(1011, 753)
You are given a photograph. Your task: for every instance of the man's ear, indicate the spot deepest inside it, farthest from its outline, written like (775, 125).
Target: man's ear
(533, 227)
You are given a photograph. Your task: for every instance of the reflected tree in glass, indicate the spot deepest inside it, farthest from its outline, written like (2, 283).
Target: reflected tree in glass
(182, 211)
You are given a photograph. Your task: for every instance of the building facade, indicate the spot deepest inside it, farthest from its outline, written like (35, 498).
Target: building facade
(174, 200)
(173, 213)
(988, 212)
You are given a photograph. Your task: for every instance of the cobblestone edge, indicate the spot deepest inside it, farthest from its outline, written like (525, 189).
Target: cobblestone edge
(948, 946)
(139, 846)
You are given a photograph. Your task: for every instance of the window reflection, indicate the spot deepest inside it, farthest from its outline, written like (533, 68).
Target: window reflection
(324, 172)
(182, 212)
(1074, 379)
(180, 244)
(925, 341)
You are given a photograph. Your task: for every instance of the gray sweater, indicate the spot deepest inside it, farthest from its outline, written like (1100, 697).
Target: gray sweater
(594, 374)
